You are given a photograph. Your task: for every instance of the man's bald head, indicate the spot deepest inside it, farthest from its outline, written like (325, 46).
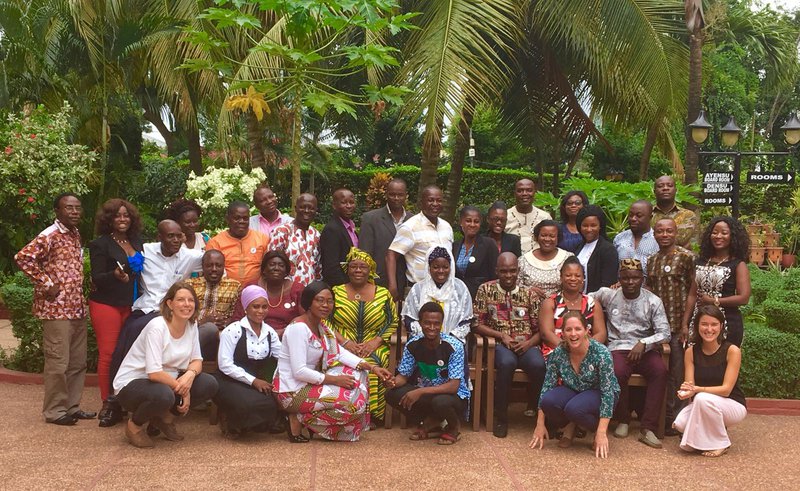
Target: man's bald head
(170, 236)
(507, 258)
(507, 271)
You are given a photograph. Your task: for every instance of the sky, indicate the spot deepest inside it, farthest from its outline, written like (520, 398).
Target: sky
(789, 4)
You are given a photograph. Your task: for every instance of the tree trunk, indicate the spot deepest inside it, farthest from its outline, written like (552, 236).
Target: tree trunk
(255, 138)
(431, 147)
(195, 150)
(649, 143)
(170, 139)
(453, 192)
(297, 149)
(694, 104)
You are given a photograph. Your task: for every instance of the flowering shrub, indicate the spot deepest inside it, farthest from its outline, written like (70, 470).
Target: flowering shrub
(37, 164)
(214, 190)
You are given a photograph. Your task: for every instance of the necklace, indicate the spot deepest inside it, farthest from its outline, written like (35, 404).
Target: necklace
(279, 300)
(573, 302)
(356, 293)
(119, 241)
(711, 262)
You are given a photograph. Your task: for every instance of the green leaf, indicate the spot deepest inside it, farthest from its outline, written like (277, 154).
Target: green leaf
(371, 55)
(204, 40)
(229, 17)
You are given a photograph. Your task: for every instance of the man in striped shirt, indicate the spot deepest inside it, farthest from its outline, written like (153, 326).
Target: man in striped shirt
(414, 239)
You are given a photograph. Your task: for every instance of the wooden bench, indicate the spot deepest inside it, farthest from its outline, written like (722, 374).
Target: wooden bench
(636, 380)
(476, 375)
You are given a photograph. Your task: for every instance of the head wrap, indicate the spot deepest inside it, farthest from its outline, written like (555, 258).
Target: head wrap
(630, 264)
(251, 293)
(356, 253)
(438, 252)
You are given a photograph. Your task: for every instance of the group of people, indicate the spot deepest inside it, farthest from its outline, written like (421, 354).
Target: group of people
(299, 322)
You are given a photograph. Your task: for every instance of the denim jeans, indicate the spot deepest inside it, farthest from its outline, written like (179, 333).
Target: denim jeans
(146, 399)
(505, 363)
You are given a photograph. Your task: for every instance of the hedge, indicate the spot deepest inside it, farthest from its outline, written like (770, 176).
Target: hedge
(770, 363)
(782, 310)
(17, 295)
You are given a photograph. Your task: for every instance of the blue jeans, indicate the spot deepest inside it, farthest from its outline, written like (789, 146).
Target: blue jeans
(562, 405)
(505, 363)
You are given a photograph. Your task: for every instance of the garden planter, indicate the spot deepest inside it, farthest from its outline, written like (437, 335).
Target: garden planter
(768, 228)
(787, 260)
(774, 254)
(772, 239)
(757, 255)
(754, 229)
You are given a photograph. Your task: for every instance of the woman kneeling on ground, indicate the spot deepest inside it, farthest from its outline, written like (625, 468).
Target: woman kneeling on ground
(588, 392)
(712, 382)
(328, 400)
(245, 398)
(160, 376)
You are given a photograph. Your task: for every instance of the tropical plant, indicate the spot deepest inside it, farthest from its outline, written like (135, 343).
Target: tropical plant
(300, 55)
(37, 163)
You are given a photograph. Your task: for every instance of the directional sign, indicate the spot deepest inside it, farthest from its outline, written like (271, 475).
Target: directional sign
(717, 200)
(719, 177)
(717, 187)
(770, 177)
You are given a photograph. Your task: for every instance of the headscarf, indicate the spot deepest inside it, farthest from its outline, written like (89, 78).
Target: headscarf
(429, 288)
(252, 292)
(630, 264)
(356, 253)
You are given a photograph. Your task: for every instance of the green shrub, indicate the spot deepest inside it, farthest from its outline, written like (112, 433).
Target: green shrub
(16, 293)
(770, 363)
(782, 310)
(764, 281)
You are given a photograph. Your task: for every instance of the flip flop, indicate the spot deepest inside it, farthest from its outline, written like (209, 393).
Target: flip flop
(715, 453)
(419, 435)
(448, 439)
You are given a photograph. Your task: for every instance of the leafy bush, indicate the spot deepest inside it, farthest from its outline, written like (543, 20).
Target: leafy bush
(16, 293)
(161, 181)
(782, 310)
(37, 163)
(764, 281)
(215, 189)
(770, 363)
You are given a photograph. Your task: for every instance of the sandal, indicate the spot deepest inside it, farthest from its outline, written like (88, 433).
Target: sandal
(564, 442)
(449, 439)
(423, 434)
(715, 453)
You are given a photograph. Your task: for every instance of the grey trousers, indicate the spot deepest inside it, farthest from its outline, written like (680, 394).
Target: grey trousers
(64, 366)
(675, 379)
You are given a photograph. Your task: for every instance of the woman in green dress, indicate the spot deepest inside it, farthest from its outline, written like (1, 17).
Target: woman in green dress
(365, 316)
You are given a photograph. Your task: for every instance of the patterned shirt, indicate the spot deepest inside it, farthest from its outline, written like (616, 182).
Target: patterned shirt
(216, 299)
(413, 240)
(625, 249)
(436, 366)
(302, 247)
(670, 277)
(542, 274)
(242, 256)
(515, 313)
(633, 320)
(55, 257)
(522, 224)
(687, 221)
(596, 372)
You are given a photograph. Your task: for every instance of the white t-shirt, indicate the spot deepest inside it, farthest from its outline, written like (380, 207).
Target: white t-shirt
(155, 350)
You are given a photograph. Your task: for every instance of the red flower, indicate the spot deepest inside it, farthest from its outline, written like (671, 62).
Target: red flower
(33, 216)
(33, 136)
(21, 190)
(9, 150)
(31, 199)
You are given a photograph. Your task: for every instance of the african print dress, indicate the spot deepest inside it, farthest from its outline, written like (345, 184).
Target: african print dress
(330, 411)
(361, 321)
(587, 309)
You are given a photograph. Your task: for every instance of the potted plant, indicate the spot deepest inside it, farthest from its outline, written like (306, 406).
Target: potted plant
(757, 249)
(791, 238)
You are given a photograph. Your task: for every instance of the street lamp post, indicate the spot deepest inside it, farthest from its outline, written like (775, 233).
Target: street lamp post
(731, 132)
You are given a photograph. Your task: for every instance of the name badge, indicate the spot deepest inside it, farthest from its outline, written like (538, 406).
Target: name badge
(252, 250)
(667, 269)
(472, 259)
(440, 363)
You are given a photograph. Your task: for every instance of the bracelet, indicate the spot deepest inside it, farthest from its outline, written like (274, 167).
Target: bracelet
(195, 372)
(345, 343)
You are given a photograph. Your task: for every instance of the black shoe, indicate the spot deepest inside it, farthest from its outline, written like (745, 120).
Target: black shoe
(500, 430)
(110, 415)
(80, 414)
(66, 420)
(296, 438)
(671, 432)
(152, 431)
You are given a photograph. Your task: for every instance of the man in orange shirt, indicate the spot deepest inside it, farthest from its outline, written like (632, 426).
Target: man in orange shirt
(243, 248)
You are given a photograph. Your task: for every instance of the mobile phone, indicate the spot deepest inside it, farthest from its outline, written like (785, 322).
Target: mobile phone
(120, 266)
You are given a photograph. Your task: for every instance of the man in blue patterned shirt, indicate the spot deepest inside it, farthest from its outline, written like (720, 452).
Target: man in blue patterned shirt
(440, 391)
(638, 241)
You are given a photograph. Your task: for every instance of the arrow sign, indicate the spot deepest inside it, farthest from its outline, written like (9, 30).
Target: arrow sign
(717, 200)
(770, 177)
(717, 187)
(718, 177)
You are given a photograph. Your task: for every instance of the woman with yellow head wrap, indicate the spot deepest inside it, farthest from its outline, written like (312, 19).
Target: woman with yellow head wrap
(365, 315)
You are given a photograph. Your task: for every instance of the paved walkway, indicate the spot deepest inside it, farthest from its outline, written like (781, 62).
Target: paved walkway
(34, 455)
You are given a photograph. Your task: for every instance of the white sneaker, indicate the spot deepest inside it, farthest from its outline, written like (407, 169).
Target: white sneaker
(621, 431)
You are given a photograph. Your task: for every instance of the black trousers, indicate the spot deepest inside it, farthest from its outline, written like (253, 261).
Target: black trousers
(146, 399)
(438, 406)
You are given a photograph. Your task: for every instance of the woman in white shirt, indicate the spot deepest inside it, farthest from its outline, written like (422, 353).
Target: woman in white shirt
(331, 401)
(160, 376)
(245, 348)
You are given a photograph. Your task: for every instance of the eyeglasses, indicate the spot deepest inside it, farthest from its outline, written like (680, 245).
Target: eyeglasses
(575, 203)
(323, 301)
